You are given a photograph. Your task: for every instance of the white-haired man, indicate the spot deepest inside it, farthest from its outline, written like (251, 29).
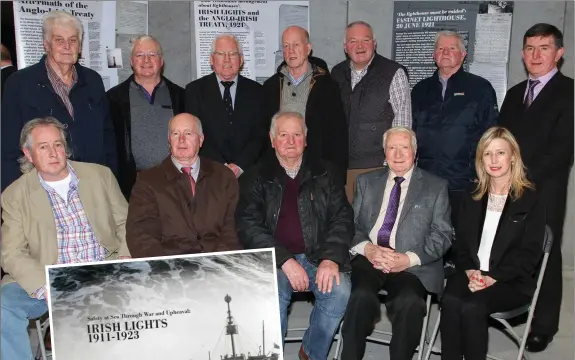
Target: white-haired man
(141, 108)
(58, 212)
(60, 87)
(402, 231)
(231, 108)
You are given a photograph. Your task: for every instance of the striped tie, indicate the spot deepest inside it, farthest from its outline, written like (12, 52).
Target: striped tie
(531, 92)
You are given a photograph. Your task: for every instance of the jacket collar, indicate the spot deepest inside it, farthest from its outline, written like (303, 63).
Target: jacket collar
(274, 172)
(453, 77)
(172, 173)
(79, 70)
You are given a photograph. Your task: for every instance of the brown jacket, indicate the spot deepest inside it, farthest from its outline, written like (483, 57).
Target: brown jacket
(165, 219)
(29, 238)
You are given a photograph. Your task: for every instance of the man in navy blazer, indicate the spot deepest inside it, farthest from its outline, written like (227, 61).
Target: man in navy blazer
(58, 86)
(230, 108)
(539, 113)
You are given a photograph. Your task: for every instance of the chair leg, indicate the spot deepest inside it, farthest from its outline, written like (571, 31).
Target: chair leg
(433, 337)
(41, 334)
(338, 343)
(424, 329)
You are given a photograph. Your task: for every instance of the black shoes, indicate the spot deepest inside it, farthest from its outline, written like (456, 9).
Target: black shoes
(537, 342)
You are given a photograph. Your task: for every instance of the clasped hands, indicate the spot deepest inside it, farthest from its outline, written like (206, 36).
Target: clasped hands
(326, 272)
(478, 281)
(386, 259)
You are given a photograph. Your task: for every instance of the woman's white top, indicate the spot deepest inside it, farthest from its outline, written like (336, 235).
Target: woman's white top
(495, 206)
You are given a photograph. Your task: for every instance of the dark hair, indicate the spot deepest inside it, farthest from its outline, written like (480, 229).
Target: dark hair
(543, 29)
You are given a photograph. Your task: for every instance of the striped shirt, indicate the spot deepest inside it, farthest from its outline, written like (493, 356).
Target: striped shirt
(61, 88)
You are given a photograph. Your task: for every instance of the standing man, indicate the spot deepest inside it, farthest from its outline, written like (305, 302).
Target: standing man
(402, 231)
(186, 204)
(451, 110)
(294, 202)
(141, 108)
(539, 113)
(375, 95)
(6, 65)
(231, 108)
(308, 89)
(58, 212)
(60, 87)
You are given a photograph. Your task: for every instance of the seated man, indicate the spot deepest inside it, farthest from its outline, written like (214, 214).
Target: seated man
(58, 212)
(402, 231)
(186, 204)
(296, 203)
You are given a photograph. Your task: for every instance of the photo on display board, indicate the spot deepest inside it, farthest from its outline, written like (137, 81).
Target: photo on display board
(114, 58)
(205, 306)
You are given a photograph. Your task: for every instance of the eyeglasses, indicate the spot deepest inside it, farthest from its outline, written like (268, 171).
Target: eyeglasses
(143, 55)
(223, 54)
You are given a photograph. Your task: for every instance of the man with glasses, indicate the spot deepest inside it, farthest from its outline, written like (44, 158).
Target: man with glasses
(230, 107)
(141, 108)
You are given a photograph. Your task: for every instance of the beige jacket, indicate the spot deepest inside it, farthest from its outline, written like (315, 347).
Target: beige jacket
(29, 240)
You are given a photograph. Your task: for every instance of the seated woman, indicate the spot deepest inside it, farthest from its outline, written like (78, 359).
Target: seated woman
(499, 243)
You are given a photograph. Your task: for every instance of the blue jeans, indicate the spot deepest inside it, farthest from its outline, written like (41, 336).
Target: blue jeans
(327, 312)
(17, 310)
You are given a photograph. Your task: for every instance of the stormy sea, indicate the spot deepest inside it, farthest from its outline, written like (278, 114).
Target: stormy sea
(172, 309)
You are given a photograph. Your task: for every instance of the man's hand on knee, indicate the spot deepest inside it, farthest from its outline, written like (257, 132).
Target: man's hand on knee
(296, 275)
(326, 272)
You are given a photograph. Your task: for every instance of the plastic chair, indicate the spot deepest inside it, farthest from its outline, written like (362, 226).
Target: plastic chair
(386, 341)
(502, 317)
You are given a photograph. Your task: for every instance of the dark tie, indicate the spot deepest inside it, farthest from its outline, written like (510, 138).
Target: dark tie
(228, 96)
(392, 206)
(188, 171)
(531, 92)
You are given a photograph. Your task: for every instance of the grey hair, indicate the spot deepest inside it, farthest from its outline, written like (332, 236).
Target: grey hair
(60, 18)
(449, 33)
(359, 22)
(26, 138)
(196, 119)
(281, 114)
(228, 36)
(401, 129)
(141, 38)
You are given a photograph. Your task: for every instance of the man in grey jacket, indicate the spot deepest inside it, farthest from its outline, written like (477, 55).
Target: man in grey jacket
(402, 231)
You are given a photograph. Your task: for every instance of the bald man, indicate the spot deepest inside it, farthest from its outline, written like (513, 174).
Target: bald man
(302, 87)
(186, 204)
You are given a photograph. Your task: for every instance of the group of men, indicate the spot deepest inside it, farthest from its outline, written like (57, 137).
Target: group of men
(324, 167)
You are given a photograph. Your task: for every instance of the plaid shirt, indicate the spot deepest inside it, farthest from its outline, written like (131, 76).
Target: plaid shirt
(399, 95)
(61, 88)
(77, 242)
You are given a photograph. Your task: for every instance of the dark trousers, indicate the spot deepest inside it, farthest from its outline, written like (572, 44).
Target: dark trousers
(465, 315)
(405, 303)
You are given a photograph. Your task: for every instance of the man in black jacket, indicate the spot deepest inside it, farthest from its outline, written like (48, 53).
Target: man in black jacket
(539, 112)
(451, 110)
(141, 108)
(296, 204)
(306, 88)
(6, 63)
(230, 107)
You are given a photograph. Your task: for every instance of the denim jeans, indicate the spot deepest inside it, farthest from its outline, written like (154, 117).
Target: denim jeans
(17, 310)
(327, 312)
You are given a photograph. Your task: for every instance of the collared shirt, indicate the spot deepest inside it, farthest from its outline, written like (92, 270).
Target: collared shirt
(233, 88)
(195, 167)
(61, 88)
(360, 248)
(149, 96)
(399, 94)
(77, 241)
(291, 173)
(295, 82)
(543, 80)
(443, 82)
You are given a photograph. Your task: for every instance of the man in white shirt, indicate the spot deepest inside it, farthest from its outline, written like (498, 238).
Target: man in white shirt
(402, 231)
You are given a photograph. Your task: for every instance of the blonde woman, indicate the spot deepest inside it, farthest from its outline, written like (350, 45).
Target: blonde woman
(497, 248)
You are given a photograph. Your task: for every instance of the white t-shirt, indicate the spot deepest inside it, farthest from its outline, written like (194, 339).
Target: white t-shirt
(61, 187)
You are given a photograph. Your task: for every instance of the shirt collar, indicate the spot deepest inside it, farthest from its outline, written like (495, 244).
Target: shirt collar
(406, 176)
(5, 66)
(52, 75)
(235, 80)
(195, 165)
(366, 66)
(74, 180)
(545, 78)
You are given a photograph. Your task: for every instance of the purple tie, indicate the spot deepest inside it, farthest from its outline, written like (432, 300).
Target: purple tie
(393, 205)
(531, 92)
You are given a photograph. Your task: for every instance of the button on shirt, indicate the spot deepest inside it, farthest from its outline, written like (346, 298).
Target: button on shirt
(543, 80)
(360, 248)
(233, 89)
(195, 168)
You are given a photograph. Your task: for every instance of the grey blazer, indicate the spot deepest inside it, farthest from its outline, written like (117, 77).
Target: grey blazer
(424, 225)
